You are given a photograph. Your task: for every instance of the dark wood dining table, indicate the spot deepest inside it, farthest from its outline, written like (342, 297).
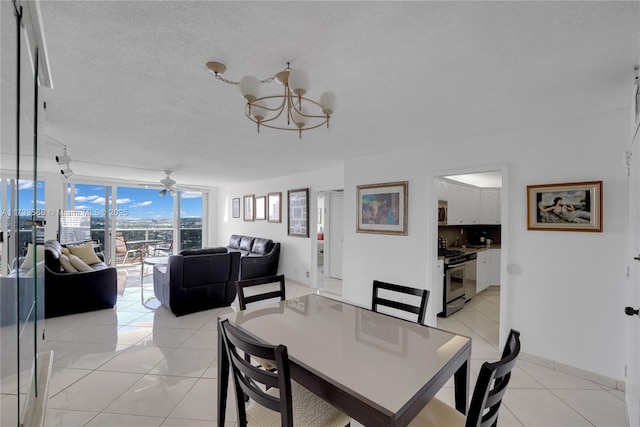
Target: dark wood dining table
(378, 369)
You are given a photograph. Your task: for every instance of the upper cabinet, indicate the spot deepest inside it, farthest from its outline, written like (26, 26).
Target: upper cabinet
(489, 206)
(469, 205)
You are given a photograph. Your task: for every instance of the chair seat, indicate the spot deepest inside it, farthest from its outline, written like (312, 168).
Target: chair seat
(438, 414)
(309, 410)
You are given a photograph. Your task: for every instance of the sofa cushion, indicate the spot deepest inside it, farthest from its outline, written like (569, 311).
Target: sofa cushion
(85, 252)
(65, 263)
(234, 241)
(246, 243)
(79, 264)
(261, 246)
(27, 264)
(39, 269)
(204, 251)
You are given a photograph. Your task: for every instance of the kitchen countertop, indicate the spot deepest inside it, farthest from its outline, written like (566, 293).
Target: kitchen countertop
(475, 248)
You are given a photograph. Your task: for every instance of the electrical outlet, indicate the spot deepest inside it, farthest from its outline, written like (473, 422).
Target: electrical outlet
(307, 274)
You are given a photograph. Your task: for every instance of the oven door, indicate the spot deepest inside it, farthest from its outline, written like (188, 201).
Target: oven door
(455, 279)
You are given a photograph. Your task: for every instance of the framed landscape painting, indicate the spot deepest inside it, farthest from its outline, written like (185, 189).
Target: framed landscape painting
(575, 206)
(298, 212)
(382, 208)
(235, 208)
(274, 202)
(249, 207)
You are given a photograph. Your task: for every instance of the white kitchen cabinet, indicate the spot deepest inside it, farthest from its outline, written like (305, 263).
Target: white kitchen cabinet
(495, 267)
(483, 271)
(463, 202)
(489, 206)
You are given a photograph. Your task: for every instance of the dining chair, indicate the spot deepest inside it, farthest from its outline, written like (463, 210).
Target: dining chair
(285, 402)
(163, 248)
(420, 310)
(123, 248)
(487, 394)
(244, 299)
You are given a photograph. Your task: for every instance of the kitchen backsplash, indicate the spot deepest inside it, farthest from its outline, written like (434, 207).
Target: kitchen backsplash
(469, 234)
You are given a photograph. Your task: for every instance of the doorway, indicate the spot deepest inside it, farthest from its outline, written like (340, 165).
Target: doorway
(472, 228)
(330, 239)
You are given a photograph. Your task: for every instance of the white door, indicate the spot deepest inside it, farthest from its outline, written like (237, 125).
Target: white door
(632, 380)
(335, 235)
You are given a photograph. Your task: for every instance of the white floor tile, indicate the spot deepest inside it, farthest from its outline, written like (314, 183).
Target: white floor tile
(598, 406)
(541, 408)
(111, 420)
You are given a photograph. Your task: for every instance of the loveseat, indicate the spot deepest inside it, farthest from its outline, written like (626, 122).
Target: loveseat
(69, 292)
(196, 280)
(259, 256)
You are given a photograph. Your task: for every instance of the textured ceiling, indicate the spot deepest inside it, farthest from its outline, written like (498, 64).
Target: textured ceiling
(131, 88)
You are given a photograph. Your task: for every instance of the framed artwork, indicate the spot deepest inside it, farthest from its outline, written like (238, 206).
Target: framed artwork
(235, 207)
(274, 203)
(249, 207)
(575, 206)
(298, 209)
(382, 208)
(261, 208)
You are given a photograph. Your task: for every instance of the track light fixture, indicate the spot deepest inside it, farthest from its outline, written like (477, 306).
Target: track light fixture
(65, 160)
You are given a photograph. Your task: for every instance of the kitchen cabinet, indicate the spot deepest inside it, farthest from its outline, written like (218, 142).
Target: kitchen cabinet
(495, 267)
(483, 271)
(489, 206)
(463, 202)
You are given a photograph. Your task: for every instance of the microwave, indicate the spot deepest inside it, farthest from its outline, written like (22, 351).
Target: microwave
(442, 212)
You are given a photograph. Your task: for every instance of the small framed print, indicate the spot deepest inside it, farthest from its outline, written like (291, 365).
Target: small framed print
(235, 208)
(575, 206)
(261, 208)
(274, 205)
(298, 212)
(249, 207)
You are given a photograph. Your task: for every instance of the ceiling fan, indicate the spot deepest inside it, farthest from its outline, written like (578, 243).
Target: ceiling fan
(168, 185)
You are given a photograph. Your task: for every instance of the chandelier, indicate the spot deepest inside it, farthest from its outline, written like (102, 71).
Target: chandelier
(299, 112)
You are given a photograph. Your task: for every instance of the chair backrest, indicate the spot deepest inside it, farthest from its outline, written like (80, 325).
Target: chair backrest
(251, 380)
(492, 384)
(244, 299)
(420, 310)
(121, 243)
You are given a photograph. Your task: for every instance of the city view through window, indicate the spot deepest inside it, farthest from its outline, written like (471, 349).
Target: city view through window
(142, 214)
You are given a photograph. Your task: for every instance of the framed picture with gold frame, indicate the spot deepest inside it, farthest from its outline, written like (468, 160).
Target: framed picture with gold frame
(574, 206)
(383, 208)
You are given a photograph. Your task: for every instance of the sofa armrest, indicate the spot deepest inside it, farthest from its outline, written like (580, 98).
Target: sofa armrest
(261, 265)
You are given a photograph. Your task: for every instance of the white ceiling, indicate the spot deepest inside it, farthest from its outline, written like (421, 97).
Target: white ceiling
(132, 95)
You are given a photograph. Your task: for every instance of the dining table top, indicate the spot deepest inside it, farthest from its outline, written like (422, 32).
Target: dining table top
(385, 361)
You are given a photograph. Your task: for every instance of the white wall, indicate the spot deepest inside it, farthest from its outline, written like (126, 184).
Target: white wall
(566, 295)
(296, 253)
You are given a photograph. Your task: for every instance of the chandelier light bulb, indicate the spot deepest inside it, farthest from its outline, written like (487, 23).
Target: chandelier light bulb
(328, 102)
(298, 116)
(249, 88)
(259, 110)
(298, 81)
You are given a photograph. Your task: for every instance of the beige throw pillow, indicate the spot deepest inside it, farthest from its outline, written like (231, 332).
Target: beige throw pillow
(79, 264)
(28, 259)
(66, 264)
(85, 252)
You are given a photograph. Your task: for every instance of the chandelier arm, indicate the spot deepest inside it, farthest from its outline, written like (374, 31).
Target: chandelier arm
(235, 83)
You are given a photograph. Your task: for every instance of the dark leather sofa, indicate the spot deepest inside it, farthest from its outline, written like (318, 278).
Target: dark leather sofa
(196, 280)
(71, 293)
(259, 257)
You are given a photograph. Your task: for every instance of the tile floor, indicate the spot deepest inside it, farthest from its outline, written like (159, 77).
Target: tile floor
(139, 365)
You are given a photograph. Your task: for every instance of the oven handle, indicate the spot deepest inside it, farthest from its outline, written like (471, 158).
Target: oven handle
(457, 264)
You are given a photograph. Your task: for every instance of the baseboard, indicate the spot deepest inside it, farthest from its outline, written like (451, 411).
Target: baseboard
(576, 372)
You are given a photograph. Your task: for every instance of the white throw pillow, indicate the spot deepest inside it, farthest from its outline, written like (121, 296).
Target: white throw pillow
(28, 259)
(39, 268)
(66, 264)
(85, 252)
(79, 264)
